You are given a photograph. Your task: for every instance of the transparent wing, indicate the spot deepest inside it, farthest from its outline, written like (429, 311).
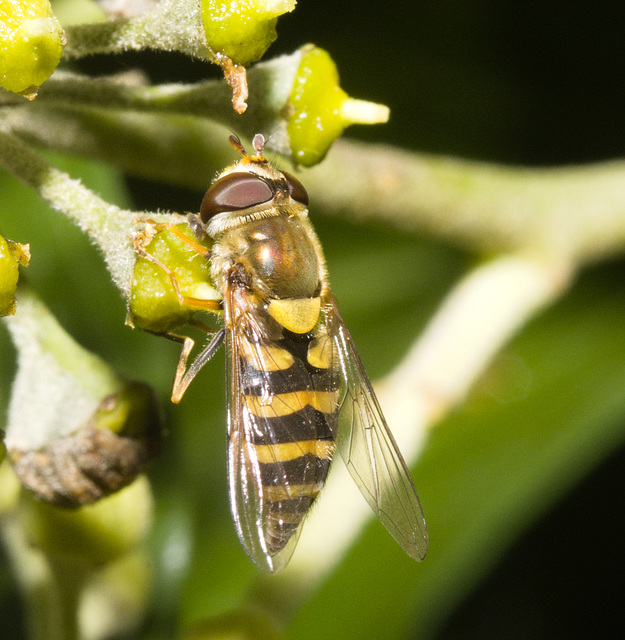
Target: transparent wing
(369, 449)
(266, 506)
(248, 508)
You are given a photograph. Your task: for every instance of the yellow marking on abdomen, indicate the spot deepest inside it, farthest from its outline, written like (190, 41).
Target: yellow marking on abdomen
(320, 352)
(289, 491)
(283, 404)
(284, 451)
(264, 358)
(299, 315)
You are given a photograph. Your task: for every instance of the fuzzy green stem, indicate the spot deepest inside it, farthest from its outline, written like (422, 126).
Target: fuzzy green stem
(174, 25)
(569, 214)
(74, 98)
(108, 226)
(127, 138)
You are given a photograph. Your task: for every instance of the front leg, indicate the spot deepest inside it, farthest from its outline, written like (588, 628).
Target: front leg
(184, 376)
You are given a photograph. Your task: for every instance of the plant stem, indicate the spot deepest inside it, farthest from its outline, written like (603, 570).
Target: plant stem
(108, 226)
(569, 214)
(69, 101)
(174, 25)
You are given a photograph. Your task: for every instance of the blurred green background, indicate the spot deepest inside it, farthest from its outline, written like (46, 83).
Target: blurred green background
(523, 486)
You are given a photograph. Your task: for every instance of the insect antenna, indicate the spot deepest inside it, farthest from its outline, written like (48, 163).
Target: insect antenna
(238, 145)
(258, 143)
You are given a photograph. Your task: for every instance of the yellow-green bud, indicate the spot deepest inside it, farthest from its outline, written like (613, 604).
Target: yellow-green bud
(154, 305)
(131, 413)
(31, 43)
(321, 110)
(12, 254)
(242, 29)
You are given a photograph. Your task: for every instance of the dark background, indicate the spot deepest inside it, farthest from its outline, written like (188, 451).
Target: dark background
(532, 82)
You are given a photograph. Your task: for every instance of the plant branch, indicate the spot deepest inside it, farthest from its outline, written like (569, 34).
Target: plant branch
(270, 84)
(174, 25)
(569, 214)
(183, 145)
(107, 225)
(71, 102)
(574, 214)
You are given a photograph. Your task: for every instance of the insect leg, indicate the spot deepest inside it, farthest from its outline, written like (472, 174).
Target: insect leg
(198, 248)
(184, 376)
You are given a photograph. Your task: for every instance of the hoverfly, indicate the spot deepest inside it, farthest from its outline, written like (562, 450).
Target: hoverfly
(296, 386)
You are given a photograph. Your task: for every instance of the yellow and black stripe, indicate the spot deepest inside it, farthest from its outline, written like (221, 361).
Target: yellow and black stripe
(291, 392)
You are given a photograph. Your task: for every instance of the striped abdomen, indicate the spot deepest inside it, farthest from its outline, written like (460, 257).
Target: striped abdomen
(290, 392)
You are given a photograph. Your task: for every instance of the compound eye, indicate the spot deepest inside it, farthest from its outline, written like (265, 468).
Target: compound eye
(296, 189)
(233, 192)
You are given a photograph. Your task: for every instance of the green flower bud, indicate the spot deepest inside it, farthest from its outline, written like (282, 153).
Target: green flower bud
(31, 43)
(12, 254)
(154, 305)
(242, 30)
(131, 413)
(76, 432)
(321, 110)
